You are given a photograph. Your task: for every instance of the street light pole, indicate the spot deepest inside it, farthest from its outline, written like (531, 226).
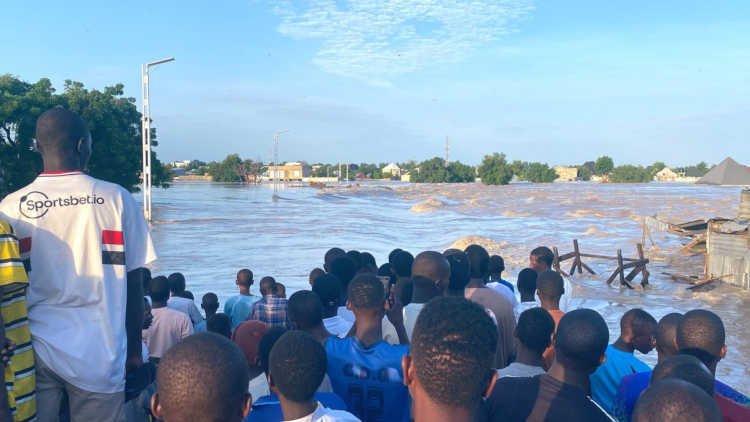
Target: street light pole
(276, 137)
(146, 135)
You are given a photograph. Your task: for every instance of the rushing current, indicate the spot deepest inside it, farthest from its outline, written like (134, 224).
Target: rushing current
(209, 231)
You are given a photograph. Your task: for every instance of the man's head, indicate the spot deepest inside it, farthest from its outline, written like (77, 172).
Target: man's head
(210, 303)
(451, 354)
(460, 272)
(328, 289)
(330, 255)
(208, 364)
(666, 335)
(526, 284)
(540, 259)
(267, 286)
(305, 310)
(244, 279)
(176, 284)
(638, 328)
(220, 324)
(344, 268)
(159, 289)
(297, 364)
(701, 334)
(247, 336)
(550, 287)
(368, 261)
(355, 257)
(279, 290)
(366, 297)
(497, 266)
(534, 330)
(686, 368)
(402, 264)
(675, 400)
(392, 254)
(580, 341)
(432, 266)
(267, 342)
(479, 262)
(63, 140)
(314, 275)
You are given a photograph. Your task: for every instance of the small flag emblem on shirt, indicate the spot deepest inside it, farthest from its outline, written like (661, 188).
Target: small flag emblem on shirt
(113, 248)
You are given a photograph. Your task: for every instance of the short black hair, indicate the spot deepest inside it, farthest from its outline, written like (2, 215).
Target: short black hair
(279, 289)
(453, 347)
(328, 288)
(666, 332)
(393, 254)
(550, 284)
(176, 283)
(245, 277)
(330, 255)
(402, 263)
(675, 400)
(432, 266)
(305, 309)
(701, 333)
(534, 329)
(208, 363)
(298, 364)
(366, 292)
(479, 261)
(159, 289)
(210, 301)
(497, 264)
(543, 254)
(59, 130)
(220, 324)
(266, 344)
(187, 294)
(386, 270)
(639, 321)
(460, 271)
(687, 368)
(581, 339)
(344, 268)
(367, 260)
(267, 285)
(526, 281)
(355, 256)
(315, 274)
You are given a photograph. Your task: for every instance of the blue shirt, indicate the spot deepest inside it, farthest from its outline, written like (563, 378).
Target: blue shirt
(504, 283)
(268, 408)
(607, 378)
(238, 308)
(369, 380)
(200, 327)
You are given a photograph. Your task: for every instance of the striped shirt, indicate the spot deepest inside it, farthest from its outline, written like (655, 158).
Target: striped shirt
(270, 310)
(20, 376)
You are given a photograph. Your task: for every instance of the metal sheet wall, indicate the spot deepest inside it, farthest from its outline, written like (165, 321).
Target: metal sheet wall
(729, 254)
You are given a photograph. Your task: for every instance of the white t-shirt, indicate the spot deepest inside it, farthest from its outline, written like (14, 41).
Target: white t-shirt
(324, 414)
(168, 328)
(337, 326)
(390, 335)
(505, 291)
(411, 312)
(83, 236)
(186, 306)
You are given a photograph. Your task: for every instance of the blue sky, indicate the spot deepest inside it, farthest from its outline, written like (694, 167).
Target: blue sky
(554, 81)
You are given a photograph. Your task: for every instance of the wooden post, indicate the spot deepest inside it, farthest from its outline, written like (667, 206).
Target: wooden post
(556, 261)
(578, 256)
(619, 266)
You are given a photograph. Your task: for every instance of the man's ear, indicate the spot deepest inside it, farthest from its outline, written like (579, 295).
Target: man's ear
(349, 305)
(603, 359)
(723, 352)
(156, 406)
(247, 405)
(408, 369)
(491, 384)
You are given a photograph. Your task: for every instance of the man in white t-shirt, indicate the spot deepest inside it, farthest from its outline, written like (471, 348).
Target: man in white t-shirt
(85, 237)
(431, 274)
(169, 326)
(179, 302)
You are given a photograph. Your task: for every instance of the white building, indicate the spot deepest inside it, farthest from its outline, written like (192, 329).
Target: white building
(393, 169)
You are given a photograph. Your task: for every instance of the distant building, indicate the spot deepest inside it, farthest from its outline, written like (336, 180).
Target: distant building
(406, 177)
(393, 169)
(666, 175)
(180, 164)
(566, 174)
(289, 171)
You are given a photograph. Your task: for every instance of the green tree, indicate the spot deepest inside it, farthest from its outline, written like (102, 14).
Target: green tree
(539, 173)
(603, 165)
(584, 173)
(435, 171)
(655, 168)
(227, 171)
(630, 174)
(518, 168)
(495, 170)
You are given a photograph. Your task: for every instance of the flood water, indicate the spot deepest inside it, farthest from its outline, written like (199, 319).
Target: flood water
(209, 231)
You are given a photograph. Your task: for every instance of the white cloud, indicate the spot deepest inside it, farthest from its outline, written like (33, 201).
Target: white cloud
(377, 40)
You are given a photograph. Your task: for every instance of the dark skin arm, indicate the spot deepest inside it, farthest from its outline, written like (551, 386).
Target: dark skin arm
(134, 318)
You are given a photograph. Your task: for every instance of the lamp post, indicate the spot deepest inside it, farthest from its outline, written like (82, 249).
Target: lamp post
(146, 135)
(276, 137)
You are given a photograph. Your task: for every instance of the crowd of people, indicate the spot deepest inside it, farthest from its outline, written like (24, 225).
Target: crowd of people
(88, 334)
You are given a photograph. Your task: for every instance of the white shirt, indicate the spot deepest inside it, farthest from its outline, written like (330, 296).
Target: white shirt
(85, 235)
(505, 291)
(186, 306)
(411, 312)
(168, 328)
(258, 387)
(323, 414)
(337, 326)
(523, 306)
(390, 335)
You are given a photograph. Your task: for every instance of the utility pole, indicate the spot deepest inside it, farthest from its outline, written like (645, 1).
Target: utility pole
(447, 152)
(347, 172)
(146, 135)
(276, 137)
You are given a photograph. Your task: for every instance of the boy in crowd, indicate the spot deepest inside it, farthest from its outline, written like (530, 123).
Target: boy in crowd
(364, 370)
(267, 407)
(279, 290)
(533, 336)
(401, 263)
(220, 324)
(202, 379)
(497, 267)
(501, 306)
(270, 309)
(526, 283)
(550, 288)
(238, 306)
(460, 272)
(169, 326)
(449, 369)
(562, 393)
(297, 366)
(540, 260)
(179, 300)
(637, 332)
(314, 275)
(306, 314)
(430, 276)
(209, 304)
(675, 400)
(328, 288)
